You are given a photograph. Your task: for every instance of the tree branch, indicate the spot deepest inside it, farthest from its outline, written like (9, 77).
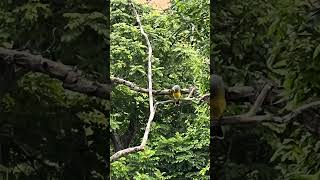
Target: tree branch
(191, 92)
(152, 107)
(151, 100)
(260, 99)
(244, 119)
(234, 93)
(292, 116)
(124, 152)
(134, 87)
(73, 81)
(70, 76)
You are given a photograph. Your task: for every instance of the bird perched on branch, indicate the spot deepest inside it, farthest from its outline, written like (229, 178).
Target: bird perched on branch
(217, 104)
(176, 93)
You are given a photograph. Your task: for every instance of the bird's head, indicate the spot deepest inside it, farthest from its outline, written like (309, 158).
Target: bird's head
(176, 88)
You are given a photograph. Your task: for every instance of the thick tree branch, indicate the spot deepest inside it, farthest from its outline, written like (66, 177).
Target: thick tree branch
(151, 100)
(124, 152)
(152, 107)
(70, 77)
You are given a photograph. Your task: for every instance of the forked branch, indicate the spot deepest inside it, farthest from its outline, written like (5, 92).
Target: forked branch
(152, 107)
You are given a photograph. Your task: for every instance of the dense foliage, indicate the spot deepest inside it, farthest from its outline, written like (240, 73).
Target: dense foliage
(45, 130)
(179, 141)
(48, 132)
(278, 40)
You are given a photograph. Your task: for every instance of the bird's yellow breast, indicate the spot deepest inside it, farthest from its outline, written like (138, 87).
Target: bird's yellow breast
(218, 105)
(177, 95)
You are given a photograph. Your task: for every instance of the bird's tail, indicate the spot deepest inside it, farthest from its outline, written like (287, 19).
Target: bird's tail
(216, 130)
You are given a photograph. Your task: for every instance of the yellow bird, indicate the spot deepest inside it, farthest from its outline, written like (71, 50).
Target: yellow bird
(217, 104)
(176, 93)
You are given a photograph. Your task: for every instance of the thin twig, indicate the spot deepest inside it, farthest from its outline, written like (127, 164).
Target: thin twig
(244, 119)
(191, 92)
(135, 87)
(260, 99)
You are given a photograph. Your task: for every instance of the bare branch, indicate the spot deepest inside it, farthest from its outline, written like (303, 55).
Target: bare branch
(151, 100)
(71, 77)
(124, 152)
(164, 102)
(191, 92)
(150, 91)
(205, 97)
(244, 119)
(259, 101)
(292, 116)
(134, 87)
(234, 93)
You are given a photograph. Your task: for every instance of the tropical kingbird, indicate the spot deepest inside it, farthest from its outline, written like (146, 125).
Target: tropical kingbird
(217, 103)
(176, 93)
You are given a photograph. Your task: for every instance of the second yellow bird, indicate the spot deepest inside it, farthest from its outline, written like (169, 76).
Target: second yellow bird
(217, 103)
